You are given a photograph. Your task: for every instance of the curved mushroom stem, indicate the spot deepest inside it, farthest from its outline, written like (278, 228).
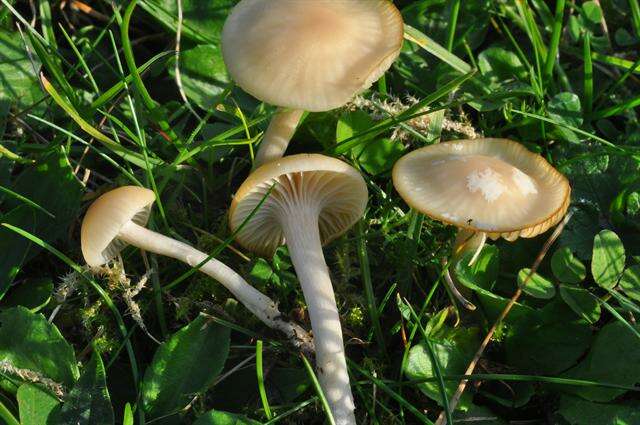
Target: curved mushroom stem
(255, 301)
(448, 280)
(276, 139)
(302, 236)
(481, 241)
(467, 240)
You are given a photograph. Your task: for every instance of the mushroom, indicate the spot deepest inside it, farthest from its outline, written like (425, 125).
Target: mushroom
(308, 55)
(488, 188)
(117, 219)
(309, 200)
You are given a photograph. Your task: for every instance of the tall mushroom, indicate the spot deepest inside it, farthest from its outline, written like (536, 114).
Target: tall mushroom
(313, 200)
(488, 188)
(308, 55)
(117, 219)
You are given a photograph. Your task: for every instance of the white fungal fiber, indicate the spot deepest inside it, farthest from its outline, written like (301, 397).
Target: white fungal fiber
(488, 182)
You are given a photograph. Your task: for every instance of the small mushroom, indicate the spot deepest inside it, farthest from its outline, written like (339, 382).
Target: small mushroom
(488, 188)
(117, 219)
(309, 200)
(308, 55)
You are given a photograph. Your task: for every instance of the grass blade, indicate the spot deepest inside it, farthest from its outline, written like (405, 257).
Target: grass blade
(394, 395)
(635, 16)
(365, 270)
(454, 10)
(428, 44)
(137, 80)
(552, 52)
(588, 77)
(133, 157)
(436, 365)
(318, 389)
(260, 376)
(25, 200)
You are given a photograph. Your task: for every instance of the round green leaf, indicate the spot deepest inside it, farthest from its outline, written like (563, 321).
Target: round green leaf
(578, 411)
(608, 259)
(566, 267)
(581, 302)
(565, 108)
(547, 341)
(630, 282)
(592, 12)
(614, 358)
(537, 286)
(498, 64)
(453, 353)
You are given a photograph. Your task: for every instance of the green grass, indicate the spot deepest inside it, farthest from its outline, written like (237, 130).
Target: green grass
(89, 100)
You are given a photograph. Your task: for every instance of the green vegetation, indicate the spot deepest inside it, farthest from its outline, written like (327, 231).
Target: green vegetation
(91, 98)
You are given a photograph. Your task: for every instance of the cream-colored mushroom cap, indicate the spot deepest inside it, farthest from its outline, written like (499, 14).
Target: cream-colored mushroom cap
(313, 55)
(332, 189)
(106, 216)
(495, 186)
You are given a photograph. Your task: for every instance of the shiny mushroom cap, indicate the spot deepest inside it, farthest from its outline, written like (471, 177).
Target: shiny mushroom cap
(313, 55)
(495, 186)
(328, 187)
(106, 216)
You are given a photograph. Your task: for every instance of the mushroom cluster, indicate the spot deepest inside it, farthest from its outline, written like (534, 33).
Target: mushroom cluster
(315, 56)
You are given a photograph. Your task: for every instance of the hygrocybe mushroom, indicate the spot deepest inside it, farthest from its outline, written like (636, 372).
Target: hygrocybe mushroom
(488, 188)
(312, 55)
(117, 219)
(313, 200)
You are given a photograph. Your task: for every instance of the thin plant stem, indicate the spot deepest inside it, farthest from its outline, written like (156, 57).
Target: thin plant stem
(318, 389)
(453, 22)
(260, 376)
(365, 269)
(7, 416)
(555, 40)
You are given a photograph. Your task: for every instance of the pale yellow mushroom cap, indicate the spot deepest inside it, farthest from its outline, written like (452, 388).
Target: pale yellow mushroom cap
(495, 186)
(313, 55)
(327, 185)
(106, 216)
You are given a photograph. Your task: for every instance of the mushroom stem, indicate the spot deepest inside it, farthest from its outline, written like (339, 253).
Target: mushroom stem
(302, 236)
(454, 289)
(481, 240)
(279, 133)
(255, 301)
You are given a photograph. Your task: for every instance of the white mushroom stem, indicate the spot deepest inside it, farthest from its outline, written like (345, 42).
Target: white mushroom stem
(448, 280)
(469, 240)
(481, 241)
(255, 301)
(302, 235)
(278, 135)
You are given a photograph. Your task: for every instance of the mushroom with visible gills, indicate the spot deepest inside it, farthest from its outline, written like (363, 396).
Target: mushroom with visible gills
(488, 188)
(308, 56)
(117, 219)
(313, 200)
